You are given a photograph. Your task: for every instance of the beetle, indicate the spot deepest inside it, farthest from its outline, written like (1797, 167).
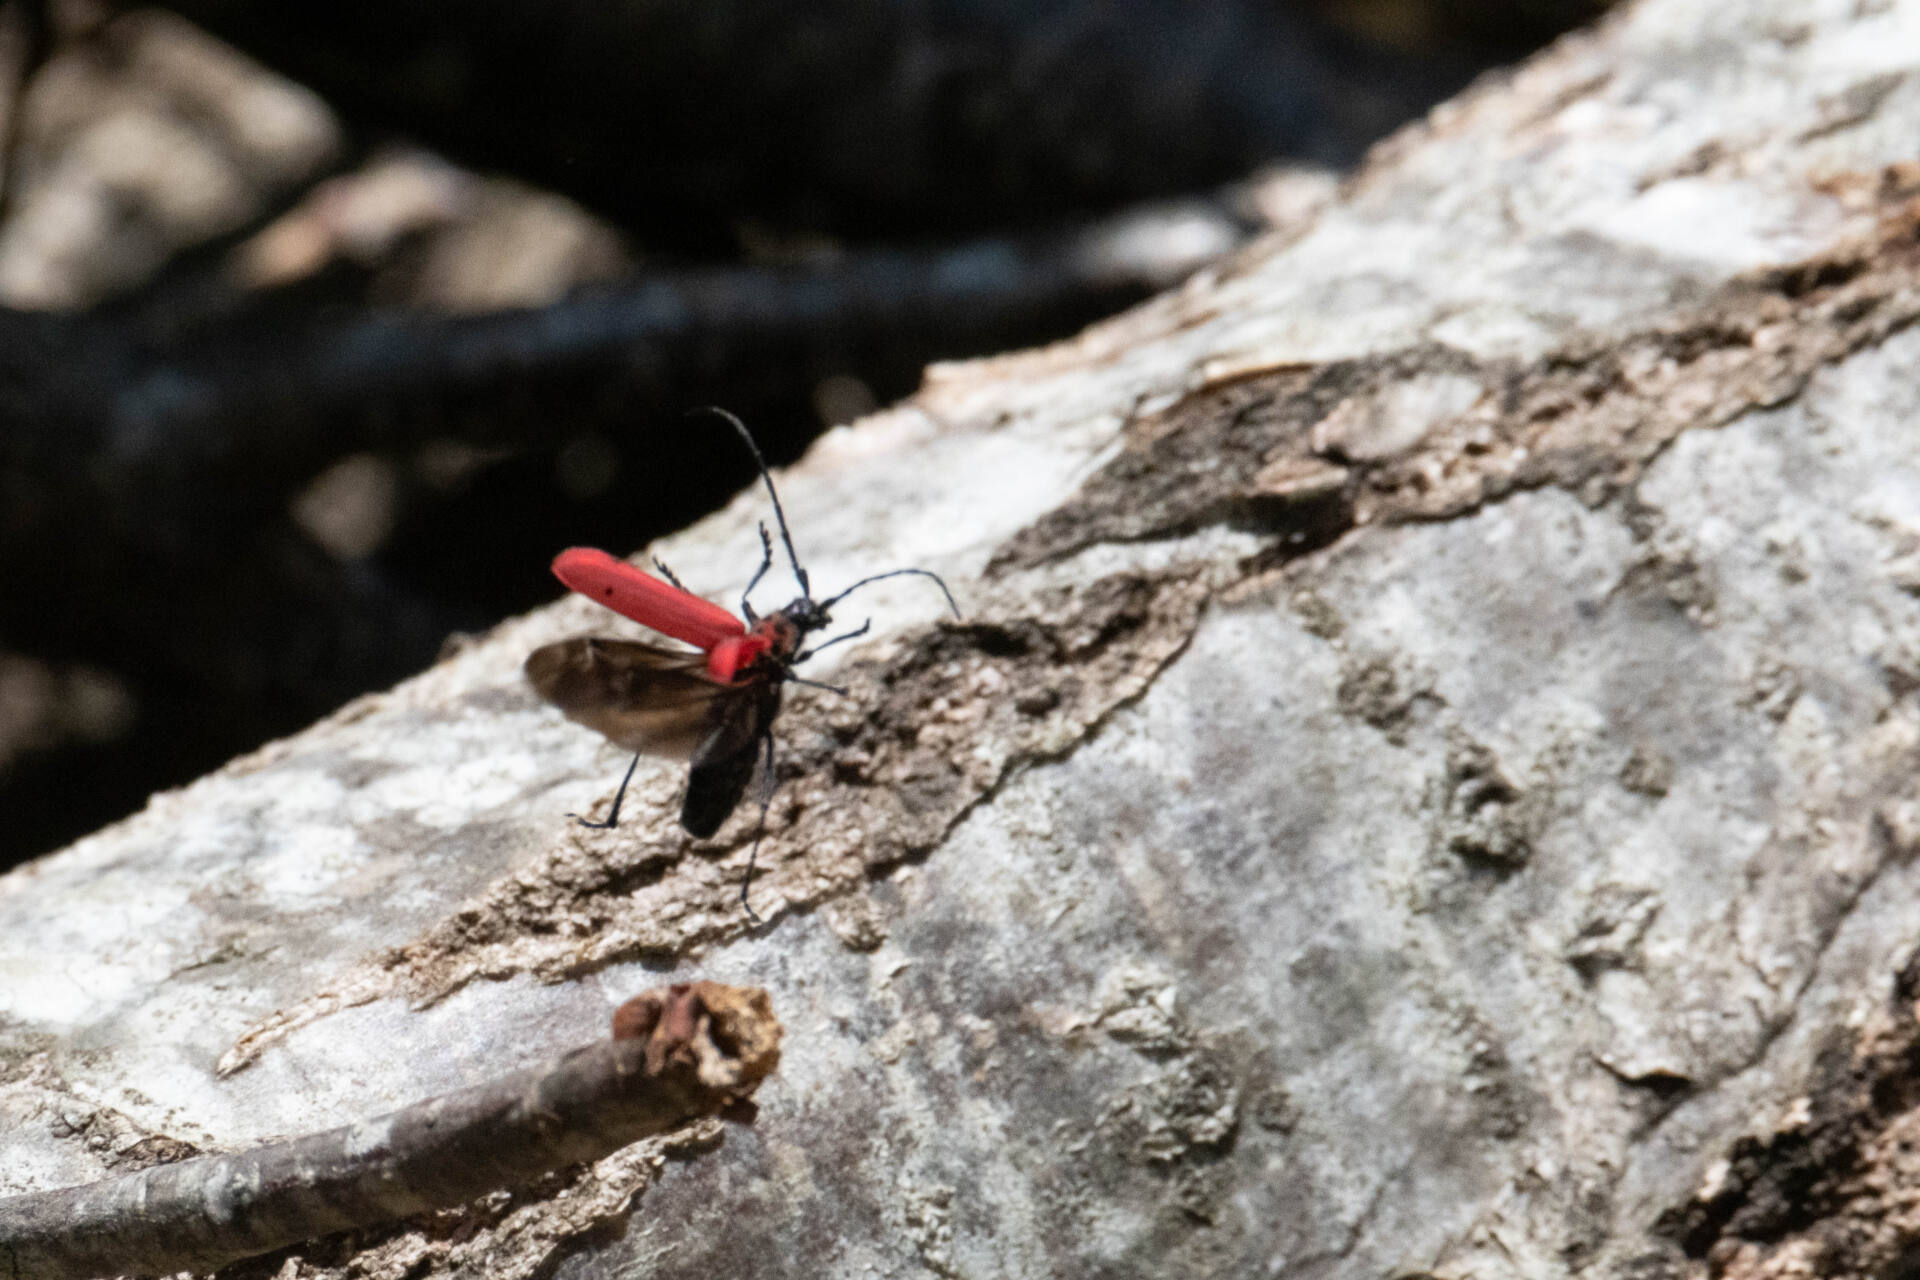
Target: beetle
(713, 706)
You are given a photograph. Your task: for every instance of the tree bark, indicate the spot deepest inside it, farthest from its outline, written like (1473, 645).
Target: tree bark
(1425, 784)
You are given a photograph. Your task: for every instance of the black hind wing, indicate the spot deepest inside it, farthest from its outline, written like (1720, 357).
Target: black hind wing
(640, 696)
(737, 723)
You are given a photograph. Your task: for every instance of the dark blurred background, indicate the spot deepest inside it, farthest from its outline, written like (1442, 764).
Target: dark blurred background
(323, 326)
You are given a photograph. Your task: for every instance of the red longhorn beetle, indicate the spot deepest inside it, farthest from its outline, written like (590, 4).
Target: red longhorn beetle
(714, 708)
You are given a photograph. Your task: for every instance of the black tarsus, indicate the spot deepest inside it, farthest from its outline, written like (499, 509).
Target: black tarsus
(766, 563)
(668, 574)
(760, 829)
(613, 815)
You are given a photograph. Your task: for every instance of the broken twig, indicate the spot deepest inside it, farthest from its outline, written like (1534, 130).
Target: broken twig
(677, 1053)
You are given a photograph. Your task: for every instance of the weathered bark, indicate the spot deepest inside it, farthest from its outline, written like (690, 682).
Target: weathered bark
(1425, 784)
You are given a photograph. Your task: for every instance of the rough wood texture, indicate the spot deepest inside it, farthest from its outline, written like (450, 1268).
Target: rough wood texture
(1426, 782)
(677, 1054)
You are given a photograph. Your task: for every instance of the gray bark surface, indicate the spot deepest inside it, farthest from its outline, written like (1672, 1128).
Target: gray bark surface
(1426, 784)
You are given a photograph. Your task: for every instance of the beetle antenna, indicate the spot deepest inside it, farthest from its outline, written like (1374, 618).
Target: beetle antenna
(815, 684)
(779, 512)
(896, 573)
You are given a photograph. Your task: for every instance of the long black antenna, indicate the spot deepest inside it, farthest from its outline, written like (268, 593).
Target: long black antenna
(896, 573)
(779, 513)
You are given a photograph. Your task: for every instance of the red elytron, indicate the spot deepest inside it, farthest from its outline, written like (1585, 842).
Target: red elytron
(714, 708)
(673, 611)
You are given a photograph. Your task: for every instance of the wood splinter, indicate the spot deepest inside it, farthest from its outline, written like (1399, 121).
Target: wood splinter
(677, 1053)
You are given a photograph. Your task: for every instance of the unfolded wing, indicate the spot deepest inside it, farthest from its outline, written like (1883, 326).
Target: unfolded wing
(723, 762)
(641, 697)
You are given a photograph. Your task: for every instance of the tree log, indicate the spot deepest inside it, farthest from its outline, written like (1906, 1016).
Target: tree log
(1425, 784)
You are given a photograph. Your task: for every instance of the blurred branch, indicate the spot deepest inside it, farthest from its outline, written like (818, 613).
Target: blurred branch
(25, 26)
(677, 1054)
(213, 430)
(861, 117)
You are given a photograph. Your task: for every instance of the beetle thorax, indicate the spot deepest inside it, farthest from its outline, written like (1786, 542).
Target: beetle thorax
(803, 615)
(783, 631)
